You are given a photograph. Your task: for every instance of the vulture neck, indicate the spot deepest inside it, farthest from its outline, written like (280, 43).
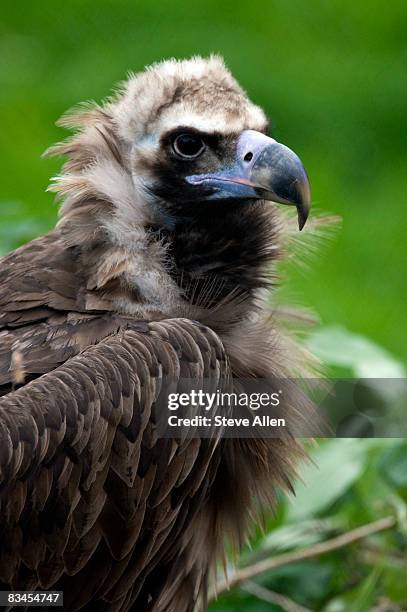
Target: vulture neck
(218, 256)
(223, 252)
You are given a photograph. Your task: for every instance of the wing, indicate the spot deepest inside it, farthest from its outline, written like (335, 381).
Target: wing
(91, 500)
(28, 351)
(47, 311)
(39, 280)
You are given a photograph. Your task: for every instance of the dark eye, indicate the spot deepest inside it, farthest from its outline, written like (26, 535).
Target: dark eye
(188, 146)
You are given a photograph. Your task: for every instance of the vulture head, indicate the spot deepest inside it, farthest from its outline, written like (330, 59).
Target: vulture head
(176, 173)
(195, 141)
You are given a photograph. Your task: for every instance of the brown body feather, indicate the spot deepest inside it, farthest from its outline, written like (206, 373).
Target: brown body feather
(92, 503)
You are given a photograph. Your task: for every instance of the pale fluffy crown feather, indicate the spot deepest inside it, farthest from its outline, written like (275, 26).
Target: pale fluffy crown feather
(202, 92)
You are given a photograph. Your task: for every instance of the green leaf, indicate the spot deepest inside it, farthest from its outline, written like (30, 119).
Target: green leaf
(299, 535)
(364, 594)
(338, 464)
(337, 346)
(393, 465)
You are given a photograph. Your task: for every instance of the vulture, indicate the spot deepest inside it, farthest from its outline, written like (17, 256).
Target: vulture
(158, 271)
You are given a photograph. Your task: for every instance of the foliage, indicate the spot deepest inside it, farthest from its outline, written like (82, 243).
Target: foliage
(348, 483)
(339, 494)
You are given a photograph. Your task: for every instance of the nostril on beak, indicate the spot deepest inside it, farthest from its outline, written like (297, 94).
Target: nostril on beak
(248, 157)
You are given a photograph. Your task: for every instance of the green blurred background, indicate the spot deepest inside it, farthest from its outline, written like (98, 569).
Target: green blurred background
(332, 75)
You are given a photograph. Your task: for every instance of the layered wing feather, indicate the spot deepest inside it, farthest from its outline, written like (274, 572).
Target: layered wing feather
(91, 499)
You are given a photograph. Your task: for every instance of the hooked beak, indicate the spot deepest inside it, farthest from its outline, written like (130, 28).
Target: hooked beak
(264, 169)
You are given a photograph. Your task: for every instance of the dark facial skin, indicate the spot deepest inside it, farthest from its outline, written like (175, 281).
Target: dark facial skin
(222, 244)
(179, 197)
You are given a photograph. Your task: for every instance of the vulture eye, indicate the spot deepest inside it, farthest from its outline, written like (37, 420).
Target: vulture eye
(188, 146)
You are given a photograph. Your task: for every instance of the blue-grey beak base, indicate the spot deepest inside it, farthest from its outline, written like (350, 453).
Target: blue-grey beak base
(271, 172)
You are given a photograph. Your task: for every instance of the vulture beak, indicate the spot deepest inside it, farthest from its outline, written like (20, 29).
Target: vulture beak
(263, 169)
